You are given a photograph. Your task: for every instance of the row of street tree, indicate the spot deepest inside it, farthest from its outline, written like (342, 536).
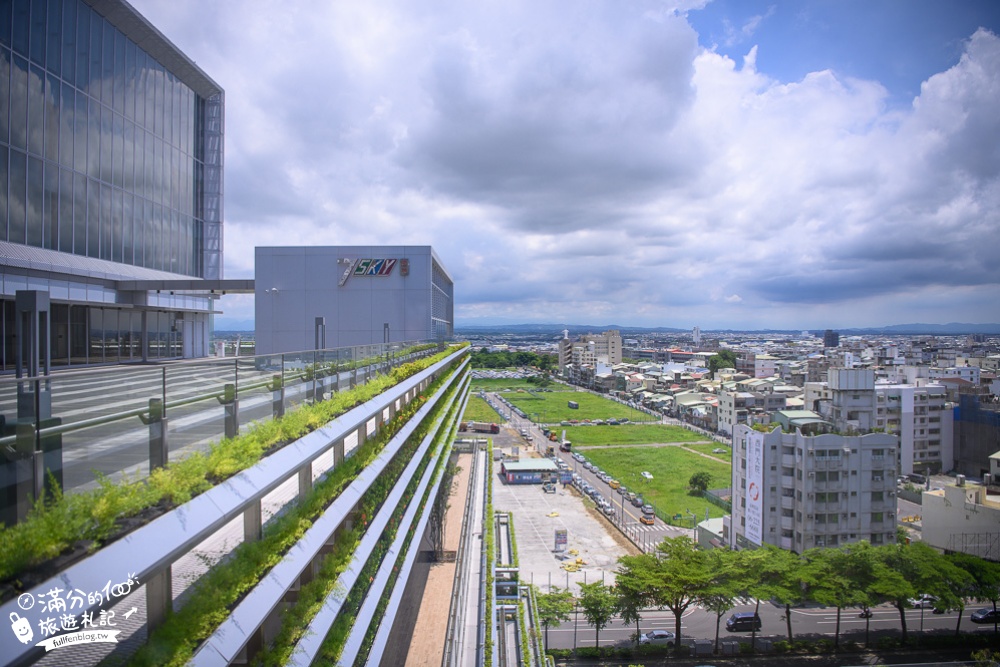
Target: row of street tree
(679, 574)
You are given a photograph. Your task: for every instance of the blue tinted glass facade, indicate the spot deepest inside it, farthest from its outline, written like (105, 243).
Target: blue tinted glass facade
(104, 151)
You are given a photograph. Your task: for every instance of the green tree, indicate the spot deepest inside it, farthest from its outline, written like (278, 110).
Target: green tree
(983, 584)
(917, 564)
(722, 359)
(869, 575)
(722, 589)
(632, 596)
(699, 481)
(677, 575)
(554, 608)
(598, 605)
(827, 575)
(786, 587)
(761, 575)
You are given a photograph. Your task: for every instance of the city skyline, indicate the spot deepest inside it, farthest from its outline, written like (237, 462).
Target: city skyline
(728, 165)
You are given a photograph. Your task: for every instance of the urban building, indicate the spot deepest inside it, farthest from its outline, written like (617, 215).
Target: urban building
(589, 349)
(852, 399)
(797, 492)
(339, 296)
(831, 338)
(924, 422)
(963, 517)
(111, 186)
(977, 433)
(746, 407)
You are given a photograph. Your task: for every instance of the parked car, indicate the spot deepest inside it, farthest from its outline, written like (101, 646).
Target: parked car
(647, 518)
(647, 509)
(743, 621)
(662, 637)
(638, 501)
(986, 615)
(925, 601)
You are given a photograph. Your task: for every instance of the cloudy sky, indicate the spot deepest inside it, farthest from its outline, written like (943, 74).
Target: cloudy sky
(786, 164)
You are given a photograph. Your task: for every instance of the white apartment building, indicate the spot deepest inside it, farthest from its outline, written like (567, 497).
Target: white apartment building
(739, 407)
(917, 414)
(797, 492)
(765, 365)
(852, 399)
(590, 349)
(967, 373)
(964, 517)
(924, 422)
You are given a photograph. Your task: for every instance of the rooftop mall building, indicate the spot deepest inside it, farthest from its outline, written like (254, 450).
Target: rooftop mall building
(338, 296)
(111, 197)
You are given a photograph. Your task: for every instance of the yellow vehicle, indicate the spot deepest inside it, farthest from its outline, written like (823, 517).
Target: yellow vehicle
(646, 518)
(614, 484)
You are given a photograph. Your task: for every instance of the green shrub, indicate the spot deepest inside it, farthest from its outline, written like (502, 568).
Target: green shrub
(823, 646)
(53, 527)
(781, 646)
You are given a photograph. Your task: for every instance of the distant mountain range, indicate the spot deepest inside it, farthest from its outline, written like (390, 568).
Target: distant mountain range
(951, 329)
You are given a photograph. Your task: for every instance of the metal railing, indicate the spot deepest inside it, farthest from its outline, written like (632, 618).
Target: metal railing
(75, 427)
(151, 550)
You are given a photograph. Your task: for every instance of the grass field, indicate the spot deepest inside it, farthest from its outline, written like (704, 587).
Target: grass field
(553, 407)
(629, 434)
(498, 384)
(707, 449)
(671, 468)
(478, 410)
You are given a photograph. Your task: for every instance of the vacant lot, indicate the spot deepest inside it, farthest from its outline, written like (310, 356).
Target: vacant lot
(671, 468)
(554, 407)
(630, 434)
(478, 410)
(499, 384)
(710, 448)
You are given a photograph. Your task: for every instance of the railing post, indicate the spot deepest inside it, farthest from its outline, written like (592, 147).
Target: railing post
(159, 597)
(24, 470)
(157, 422)
(338, 451)
(305, 479)
(252, 522)
(277, 396)
(319, 389)
(231, 405)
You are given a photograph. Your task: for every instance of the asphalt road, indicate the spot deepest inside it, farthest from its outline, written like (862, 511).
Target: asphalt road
(807, 622)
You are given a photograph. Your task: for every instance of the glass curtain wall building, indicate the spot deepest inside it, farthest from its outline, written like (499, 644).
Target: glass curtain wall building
(111, 158)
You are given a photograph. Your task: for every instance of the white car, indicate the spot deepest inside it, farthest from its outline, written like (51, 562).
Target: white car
(646, 475)
(925, 601)
(661, 637)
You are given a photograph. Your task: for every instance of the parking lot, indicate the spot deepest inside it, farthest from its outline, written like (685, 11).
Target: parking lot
(537, 516)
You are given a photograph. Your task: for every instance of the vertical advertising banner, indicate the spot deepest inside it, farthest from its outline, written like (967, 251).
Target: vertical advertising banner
(755, 484)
